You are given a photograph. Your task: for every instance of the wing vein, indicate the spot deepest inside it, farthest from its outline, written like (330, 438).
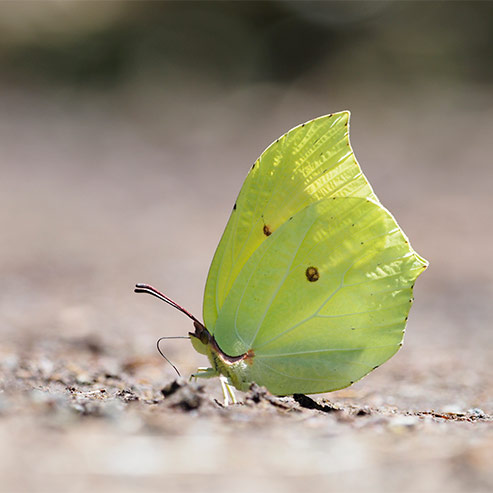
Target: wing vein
(288, 270)
(328, 350)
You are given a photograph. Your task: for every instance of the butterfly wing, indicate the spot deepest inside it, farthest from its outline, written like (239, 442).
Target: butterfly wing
(311, 162)
(324, 299)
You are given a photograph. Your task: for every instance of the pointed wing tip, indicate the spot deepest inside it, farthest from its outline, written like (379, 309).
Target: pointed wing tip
(424, 263)
(342, 113)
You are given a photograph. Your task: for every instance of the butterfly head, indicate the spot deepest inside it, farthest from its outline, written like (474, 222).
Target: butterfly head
(201, 338)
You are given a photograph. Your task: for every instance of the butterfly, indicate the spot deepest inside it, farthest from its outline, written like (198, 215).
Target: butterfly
(311, 284)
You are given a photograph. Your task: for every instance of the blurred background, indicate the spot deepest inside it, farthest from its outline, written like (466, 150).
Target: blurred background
(127, 128)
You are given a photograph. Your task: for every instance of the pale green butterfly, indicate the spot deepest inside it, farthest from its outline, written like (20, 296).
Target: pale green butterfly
(311, 284)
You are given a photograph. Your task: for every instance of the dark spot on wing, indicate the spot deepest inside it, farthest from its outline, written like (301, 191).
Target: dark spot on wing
(253, 166)
(312, 274)
(267, 231)
(234, 207)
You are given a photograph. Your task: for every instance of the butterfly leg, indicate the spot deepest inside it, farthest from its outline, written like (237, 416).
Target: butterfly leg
(228, 392)
(203, 372)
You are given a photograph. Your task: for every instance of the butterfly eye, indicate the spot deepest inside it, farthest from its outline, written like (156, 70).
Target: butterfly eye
(312, 274)
(201, 333)
(204, 338)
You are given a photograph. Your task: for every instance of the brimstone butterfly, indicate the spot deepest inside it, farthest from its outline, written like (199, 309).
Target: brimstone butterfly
(311, 284)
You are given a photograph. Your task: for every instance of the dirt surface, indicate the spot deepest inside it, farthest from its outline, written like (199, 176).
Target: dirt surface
(96, 197)
(83, 419)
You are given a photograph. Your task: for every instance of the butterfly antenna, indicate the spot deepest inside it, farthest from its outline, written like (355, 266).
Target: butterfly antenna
(164, 356)
(146, 288)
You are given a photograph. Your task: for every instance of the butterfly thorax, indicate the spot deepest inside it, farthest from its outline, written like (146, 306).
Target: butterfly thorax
(236, 368)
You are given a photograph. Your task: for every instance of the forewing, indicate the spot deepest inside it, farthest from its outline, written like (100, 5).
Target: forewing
(323, 300)
(311, 162)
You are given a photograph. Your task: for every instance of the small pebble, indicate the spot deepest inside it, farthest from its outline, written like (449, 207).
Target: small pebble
(477, 412)
(453, 409)
(84, 378)
(39, 397)
(403, 423)
(4, 403)
(112, 409)
(46, 367)
(10, 362)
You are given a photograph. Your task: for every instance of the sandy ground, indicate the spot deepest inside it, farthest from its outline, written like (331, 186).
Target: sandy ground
(97, 196)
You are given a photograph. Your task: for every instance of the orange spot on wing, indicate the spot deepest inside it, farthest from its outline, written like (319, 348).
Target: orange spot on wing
(249, 355)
